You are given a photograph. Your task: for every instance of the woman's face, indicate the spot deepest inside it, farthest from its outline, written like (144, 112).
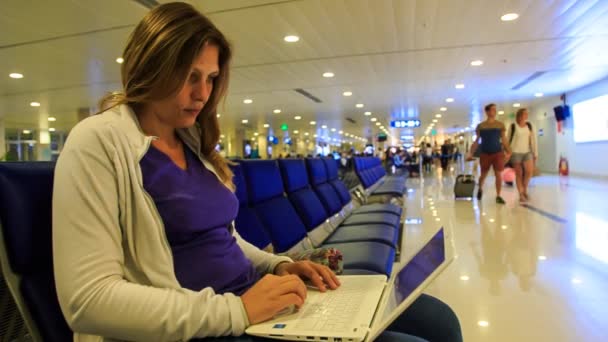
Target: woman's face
(181, 110)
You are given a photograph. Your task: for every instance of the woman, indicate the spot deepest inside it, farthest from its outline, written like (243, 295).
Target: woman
(143, 204)
(525, 151)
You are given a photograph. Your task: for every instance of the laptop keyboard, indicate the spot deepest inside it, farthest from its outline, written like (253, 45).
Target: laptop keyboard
(333, 310)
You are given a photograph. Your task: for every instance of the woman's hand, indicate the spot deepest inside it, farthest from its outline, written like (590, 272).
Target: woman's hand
(320, 276)
(272, 294)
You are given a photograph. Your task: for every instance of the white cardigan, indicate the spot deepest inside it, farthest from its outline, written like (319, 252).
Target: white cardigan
(113, 265)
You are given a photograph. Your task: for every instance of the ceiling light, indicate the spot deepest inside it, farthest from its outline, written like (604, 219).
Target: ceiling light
(483, 323)
(347, 93)
(382, 127)
(477, 62)
(435, 120)
(576, 281)
(51, 129)
(119, 60)
(501, 112)
(247, 101)
(276, 111)
(449, 99)
(373, 119)
(359, 105)
(313, 123)
(378, 124)
(315, 136)
(443, 109)
(222, 136)
(291, 39)
(504, 227)
(516, 105)
(296, 132)
(509, 16)
(245, 121)
(15, 75)
(333, 129)
(35, 104)
(542, 257)
(328, 74)
(341, 132)
(539, 94)
(266, 125)
(52, 118)
(297, 117)
(367, 113)
(459, 86)
(26, 131)
(218, 115)
(437, 115)
(324, 126)
(256, 134)
(306, 133)
(464, 278)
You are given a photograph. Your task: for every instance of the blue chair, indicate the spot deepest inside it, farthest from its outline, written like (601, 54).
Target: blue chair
(373, 178)
(346, 198)
(247, 222)
(316, 218)
(331, 200)
(26, 247)
(286, 229)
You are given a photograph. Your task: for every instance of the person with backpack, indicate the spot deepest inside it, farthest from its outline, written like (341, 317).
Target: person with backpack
(525, 151)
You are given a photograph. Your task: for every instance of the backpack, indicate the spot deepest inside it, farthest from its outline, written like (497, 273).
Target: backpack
(513, 131)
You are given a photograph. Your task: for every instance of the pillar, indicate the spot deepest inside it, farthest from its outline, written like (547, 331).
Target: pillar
(2, 140)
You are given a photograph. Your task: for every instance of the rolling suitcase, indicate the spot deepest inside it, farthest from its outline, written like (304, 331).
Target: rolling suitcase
(464, 186)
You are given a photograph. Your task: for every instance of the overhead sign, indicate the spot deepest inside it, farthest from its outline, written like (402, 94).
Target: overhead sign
(405, 123)
(434, 132)
(284, 127)
(407, 137)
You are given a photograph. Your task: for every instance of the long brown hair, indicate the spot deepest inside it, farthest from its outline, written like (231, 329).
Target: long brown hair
(157, 59)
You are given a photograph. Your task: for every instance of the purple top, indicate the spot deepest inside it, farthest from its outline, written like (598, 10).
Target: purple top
(197, 209)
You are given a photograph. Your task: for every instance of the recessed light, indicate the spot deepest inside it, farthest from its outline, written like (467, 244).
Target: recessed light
(315, 136)
(297, 117)
(247, 101)
(119, 60)
(483, 323)
(328, 74)
(449, 99)
(437, 115)
(333, 129)
(51, 129)
(359, 105)
(306, 133)
(378, 124)
(245, 121)
(435, 120)
(504, 227)
(347, 93)
(256, 134)
(542, 257)
(291, 39)
(15, 75)
(222, 136)
(539, 94)
(477, 63)
(324, 126)
(509, 16)
(52, 118)
(35, 104)
(296, 132)
(313, 123)
(381, 127)
(266, 125)
(438, 219)
(459, 86)
(492, 220)
(26, 131)
(576, 281)
(367, 113)
(464, 278)
(443, 109)
(276, 111)
(501, 112)
(341, 132)
(516, 105)
(373, 119)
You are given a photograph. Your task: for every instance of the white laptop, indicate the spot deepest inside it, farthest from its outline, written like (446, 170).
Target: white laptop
(364, 306)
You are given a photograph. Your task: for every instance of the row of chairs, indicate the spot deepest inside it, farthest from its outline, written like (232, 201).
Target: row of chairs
(282, 203)
(374, 179)
(297, 204)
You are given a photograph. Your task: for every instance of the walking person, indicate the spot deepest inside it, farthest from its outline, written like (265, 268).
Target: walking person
(525, 151)
(491, 139)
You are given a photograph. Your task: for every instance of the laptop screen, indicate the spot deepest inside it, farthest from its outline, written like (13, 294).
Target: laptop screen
(417, 270)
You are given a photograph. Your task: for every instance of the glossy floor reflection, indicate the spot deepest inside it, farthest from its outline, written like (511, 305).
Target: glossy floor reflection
(535, 273)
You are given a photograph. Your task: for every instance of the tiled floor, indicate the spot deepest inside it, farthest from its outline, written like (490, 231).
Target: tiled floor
(521, 274)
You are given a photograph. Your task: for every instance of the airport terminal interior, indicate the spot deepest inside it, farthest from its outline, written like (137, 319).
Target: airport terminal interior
(384, 97)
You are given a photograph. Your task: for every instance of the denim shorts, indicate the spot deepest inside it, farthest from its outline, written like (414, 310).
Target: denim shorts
(518, 158)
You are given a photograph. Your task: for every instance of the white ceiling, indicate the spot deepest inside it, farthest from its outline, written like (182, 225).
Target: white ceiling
(401, 58)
